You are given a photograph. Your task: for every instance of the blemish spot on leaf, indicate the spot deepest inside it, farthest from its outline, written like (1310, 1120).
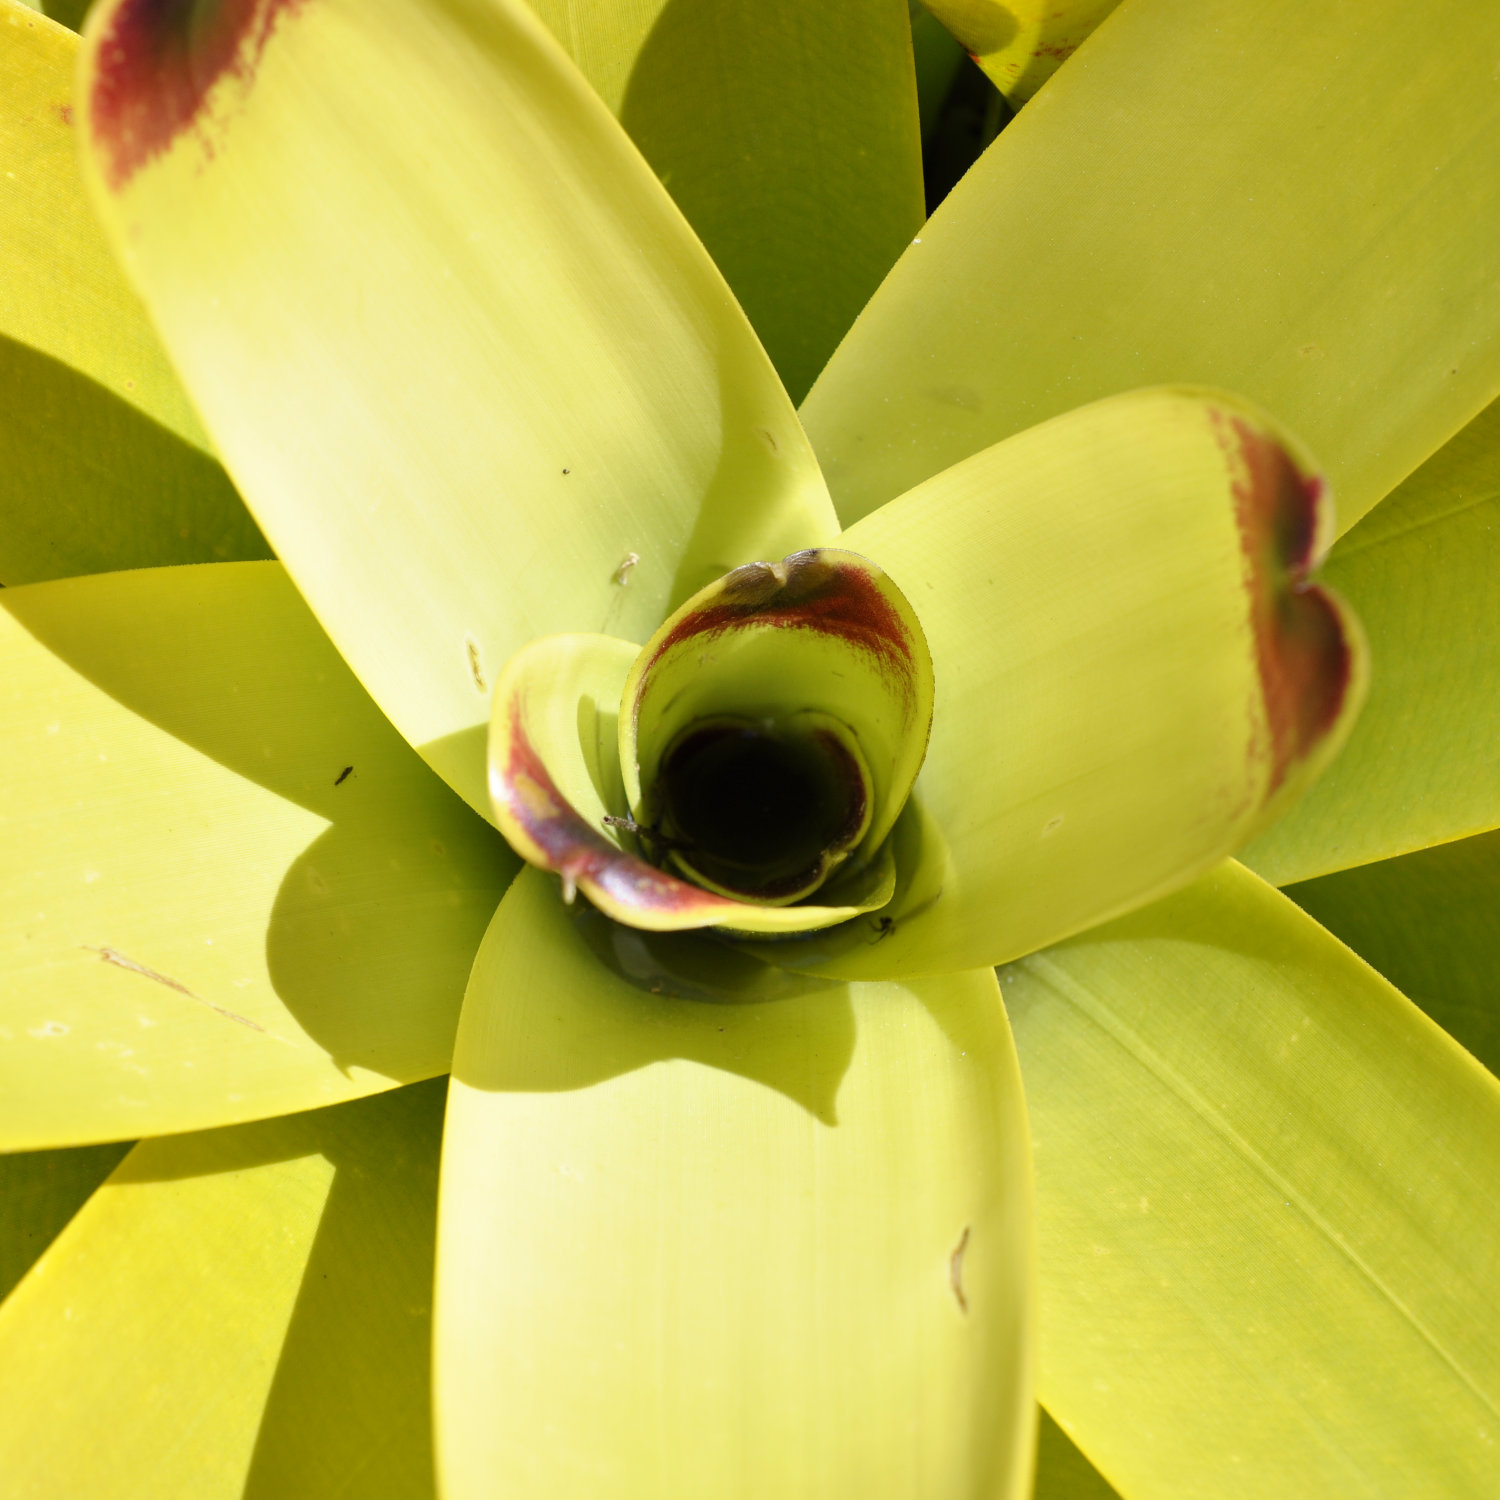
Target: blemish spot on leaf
(956, 1271)
(344, 775)
(629, 561)
(964, 397)
(120, 961)
(476, 664)
(768, 438)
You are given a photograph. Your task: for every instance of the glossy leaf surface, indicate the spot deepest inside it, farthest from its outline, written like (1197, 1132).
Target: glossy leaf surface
(1428, 922)
(227, 888)
(527, 405)
(1130, 669)
(1289, 201)
(102, 463)
(241, 1314)
(1253, 1152)
(664, 1226)
(1423, 765)
(786, 133)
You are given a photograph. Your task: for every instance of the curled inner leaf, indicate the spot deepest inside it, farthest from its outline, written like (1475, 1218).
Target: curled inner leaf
(772, 728)
(557, 794)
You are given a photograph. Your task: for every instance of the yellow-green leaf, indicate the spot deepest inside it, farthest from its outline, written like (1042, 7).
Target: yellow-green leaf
(39, 1192)
(102, 463)
(1132, 672)
(766, 1249)
(1423, 765)
(1021, 43)
(1428, 922)
(1062, 1471)
(786, 132)
(240, 1314)
(227, 888)
(1290, 201)
(472, 371)
(1268, 1210)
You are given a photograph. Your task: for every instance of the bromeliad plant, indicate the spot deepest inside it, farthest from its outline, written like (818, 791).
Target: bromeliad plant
(736, 1186)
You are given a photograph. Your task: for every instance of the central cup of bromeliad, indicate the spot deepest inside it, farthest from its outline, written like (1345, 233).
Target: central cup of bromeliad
(756, 808)
(769, 734)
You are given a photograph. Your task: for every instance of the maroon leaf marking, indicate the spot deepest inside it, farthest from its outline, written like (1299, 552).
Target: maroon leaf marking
(157, 61)
(1304, 661)
(832, 598)
(574, 848)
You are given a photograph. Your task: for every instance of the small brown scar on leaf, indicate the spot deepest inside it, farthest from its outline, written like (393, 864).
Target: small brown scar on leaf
(622, 573)
(120, 961)
(476, 667)
(567, 471)
(344, 775)
(956, 1271)
(768, 438)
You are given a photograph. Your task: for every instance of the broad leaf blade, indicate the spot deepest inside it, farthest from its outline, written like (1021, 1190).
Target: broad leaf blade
(688, 1249)
(1253, 1152)
(474, 374)
(1423, 765)
(240, 1314)
(39, 1192)
(1427, 921)
(1289, 201)
(227, 888)
(1062, 1471)
(786, 132)
(102, 463)
(1131, 668)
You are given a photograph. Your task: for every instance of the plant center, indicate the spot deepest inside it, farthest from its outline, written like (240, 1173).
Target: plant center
(753, 807)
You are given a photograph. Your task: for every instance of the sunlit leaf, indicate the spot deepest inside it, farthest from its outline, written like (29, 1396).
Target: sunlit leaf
(39, 1192)
(687, 1249)
(102, 463)
(1423, 765)
(786, 132)
(1430, 922)
(1269, 1205)
(1130, 671)
(227, 888)
(474, 374)
(241, 1313)
(1294, 202)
